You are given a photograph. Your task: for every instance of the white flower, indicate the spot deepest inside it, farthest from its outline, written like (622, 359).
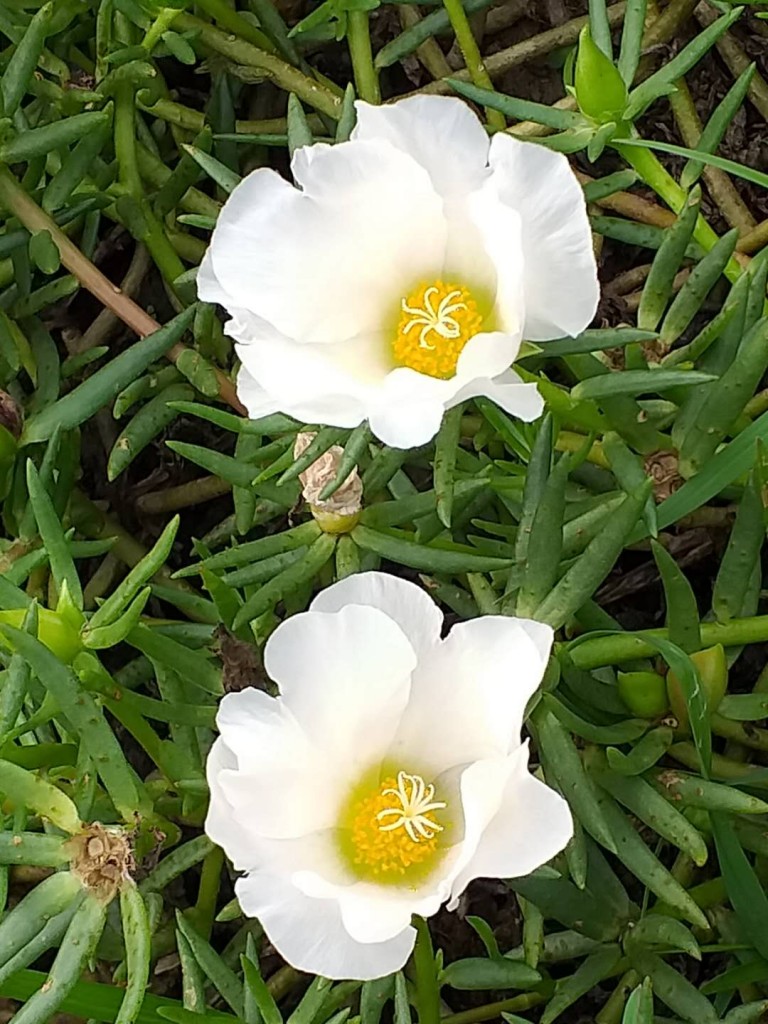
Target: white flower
(401, 275)
(388, 774)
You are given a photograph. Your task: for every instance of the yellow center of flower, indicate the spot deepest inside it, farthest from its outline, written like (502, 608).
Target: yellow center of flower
(390, 831)
(437, 319)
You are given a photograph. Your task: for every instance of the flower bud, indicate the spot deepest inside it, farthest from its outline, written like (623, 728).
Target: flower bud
(600, 89)
(712, 667)
(54, 630)
(644, 693)
(340, 512)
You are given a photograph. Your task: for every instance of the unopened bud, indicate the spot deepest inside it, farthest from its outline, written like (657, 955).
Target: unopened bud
(712, 667)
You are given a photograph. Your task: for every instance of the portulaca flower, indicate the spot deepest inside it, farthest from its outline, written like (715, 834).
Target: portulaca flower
(388, 774)
(402, 273)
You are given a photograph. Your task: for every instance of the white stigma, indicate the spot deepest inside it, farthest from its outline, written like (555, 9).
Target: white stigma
(438, 320)
(415, 804)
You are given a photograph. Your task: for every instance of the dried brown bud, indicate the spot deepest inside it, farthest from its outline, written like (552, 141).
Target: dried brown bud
(340, 512)
(102, 858)
(11, 416)
(662, 468)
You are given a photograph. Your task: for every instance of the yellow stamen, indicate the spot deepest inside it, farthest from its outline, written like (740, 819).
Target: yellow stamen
(389, 829)
(437, 319)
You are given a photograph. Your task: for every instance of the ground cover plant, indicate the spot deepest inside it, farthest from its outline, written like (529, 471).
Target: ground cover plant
(158, 543)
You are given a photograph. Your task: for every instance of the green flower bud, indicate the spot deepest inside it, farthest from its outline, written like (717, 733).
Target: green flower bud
(644, 693)
(55, 631)
(712, 667)
(600, 89)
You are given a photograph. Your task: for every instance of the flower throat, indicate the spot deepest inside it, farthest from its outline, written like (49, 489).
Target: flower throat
(391, 829)
(436, 321)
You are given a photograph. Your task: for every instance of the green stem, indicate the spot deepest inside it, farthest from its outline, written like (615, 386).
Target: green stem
(359, 42)
(125, 139)
(220, 11)
(492, 1011)
(159, 26)
(472, 57)
(613, 1010)
(151, 232)
(427, 989)
(656, 176)
(612, 650)
(241, 52)
(208, 893)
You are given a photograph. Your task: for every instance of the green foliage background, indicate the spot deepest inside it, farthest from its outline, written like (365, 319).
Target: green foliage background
(113, 657)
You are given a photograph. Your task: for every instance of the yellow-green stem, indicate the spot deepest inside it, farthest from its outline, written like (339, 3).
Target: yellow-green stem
(359, 42)
(656, 176)
(427, 989)
(160, 25)
(472, 57)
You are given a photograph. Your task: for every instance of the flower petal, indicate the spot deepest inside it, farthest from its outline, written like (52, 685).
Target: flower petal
(303, 381)
(328, 263)
(501, 229)
(345, 676)
(374, 913)
(440, 132)
(408, 423)
(310, 934)
(220, 822)
(407, 604)
(253, 396)
(408, 407)
(274, 782)
(209, 287)
(532, 825)
(561, 286)
(508, 392)
(487, 355)
(469, 694)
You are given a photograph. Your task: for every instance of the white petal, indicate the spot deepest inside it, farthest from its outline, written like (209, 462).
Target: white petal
(310, 935)
(487, 355)
(482, 790)
(209, 288)
(374, 913)
(221, 825)
(408, 422)
(345, 676)
(253, 396)
(280, 785)
(409, 406)
(469, 694)
(329, 263)
(508, 392)
(561, 286)
(303, 381)
(532, 825)
(501, 229)
(407, 604)
(440, 132)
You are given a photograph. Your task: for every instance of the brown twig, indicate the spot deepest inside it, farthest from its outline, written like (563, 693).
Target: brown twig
(755, 239)
(737, 61)
(195, 492)
(105, 324)
(429, 53)
(634, 207)
(529, 49)
(719, 185)
(91, 278)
